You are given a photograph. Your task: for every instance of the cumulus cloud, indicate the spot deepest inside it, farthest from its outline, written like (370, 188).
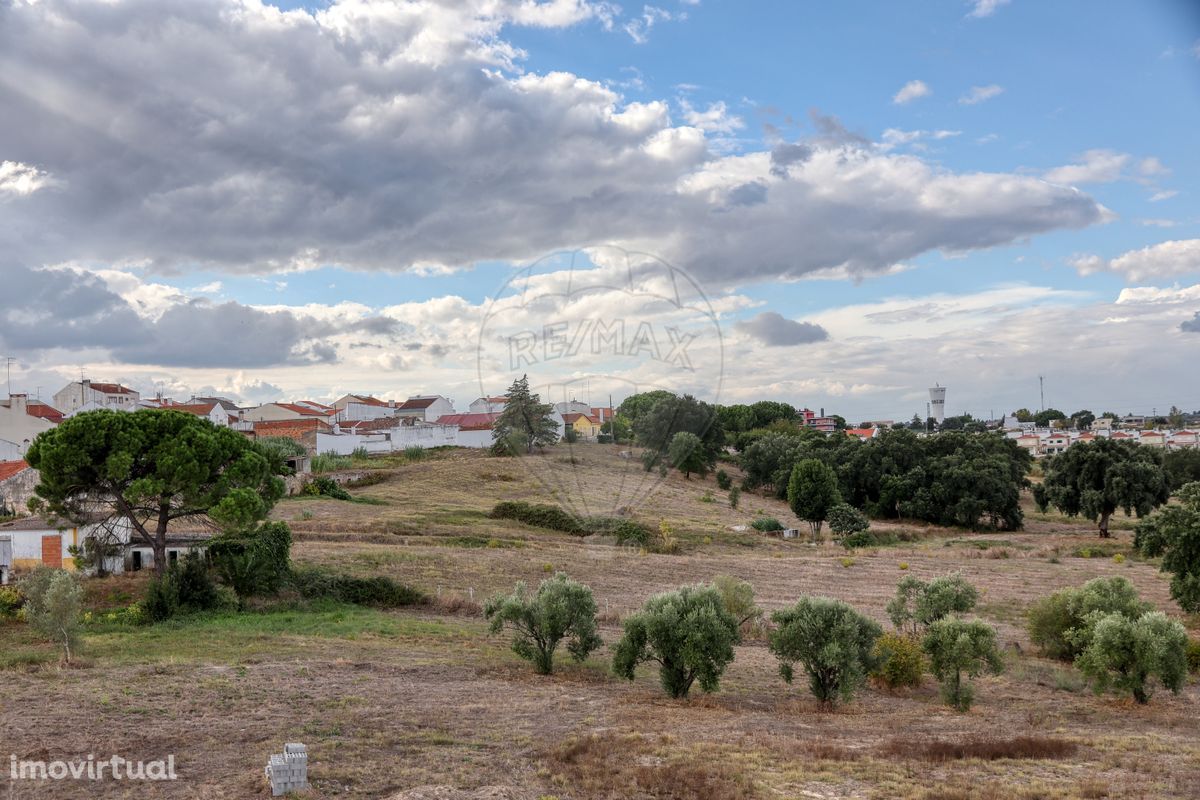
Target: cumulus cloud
(1191, 325)
(979, 94)
(985, 8)
(1094, 166)
(776, 330)
(1158, 261)
(237, 137)
(913, 90)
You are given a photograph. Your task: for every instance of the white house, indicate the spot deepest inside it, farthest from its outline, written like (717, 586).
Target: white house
(354, 407)
(425, 407)
(79, 396)
(488, 405)
(273, 412)
(1184, 440)
(21, 419)
(35, 542)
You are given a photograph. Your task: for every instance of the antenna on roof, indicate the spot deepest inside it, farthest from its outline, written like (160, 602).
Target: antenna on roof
(8, 362)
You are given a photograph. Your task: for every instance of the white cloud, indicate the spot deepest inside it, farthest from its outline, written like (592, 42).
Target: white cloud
(714, 119)
(910, 91)
(21, 179)
(1159, 261)
(894, 137)
(406, 135)
(1094, 166)
(985, 8)
(1152, 167)
(1165, 194)
(639, 27)
(979, 94)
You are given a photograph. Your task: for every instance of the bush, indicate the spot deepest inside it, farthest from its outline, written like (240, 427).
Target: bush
(1193, 655)
(330, 462)
(324, 486)
(735, 496)
(414, 453)
(738, 599)
(766, 524)
(629, 532)
(10, 601)
(316, 583)
(832, 641)
(956, 647)
(845, 519)
(723, 480)
(688, 632)
(899, 661)
(1174, 533)
(253, 562)
(541, 516)
(186, 587)
(54, 611)
(1057, 622)
(1126, 654)
(561, 609)
(918, 604)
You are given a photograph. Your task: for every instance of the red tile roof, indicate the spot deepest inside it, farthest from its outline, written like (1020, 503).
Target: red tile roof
(572, 417)
(280, 427)
(110, 388)
(303, 410)
(867, 432)
(368, 425)
(38, 409)
(416, 403)
(469, 422)
(199, 409)
(10, 468)
(367, 400)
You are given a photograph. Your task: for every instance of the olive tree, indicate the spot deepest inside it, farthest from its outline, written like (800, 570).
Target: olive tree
(1127, 655)
(151, 468)
(53, 602)
(689, 633)
(956, 648)
(561, 609)
(1058, 621)
(1174, 533)
(833, 642)
(686, 454)
(1094, 479)
(844, 519)
(918, 604)
(812, 491)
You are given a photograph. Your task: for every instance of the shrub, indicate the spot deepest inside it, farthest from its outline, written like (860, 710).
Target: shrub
(324, 486)
(253, 562)
(833, 642)
(899, 661)
(186, 586)
(10, 601)
(918, 604)
(162, 599)
(1057, 622)
(540, 516)
(330, 462)
(54, 611)
(738, 598)
(561, 609)
(359, 454)
(766, 524)
(735, 496)
(688, 632)
(1126, 654)
(629, 532)
(956, 647)
(414, 453)
(1193, 655)
(686, 453)
(316, 583)
(845, 519)
(723, 480)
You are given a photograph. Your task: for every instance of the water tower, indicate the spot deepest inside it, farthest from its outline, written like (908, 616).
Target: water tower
(937, 403)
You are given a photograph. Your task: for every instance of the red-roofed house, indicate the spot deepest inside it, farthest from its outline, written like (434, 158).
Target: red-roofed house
(271, 412)
(585, 426)
(84, 395)
(213, 412)
(353, 407)
(1184, 440)
(862, 433)
(474, 430)
(427, 408)
(303, 430)
(488, 405)
(1154, 439)
(20, 421)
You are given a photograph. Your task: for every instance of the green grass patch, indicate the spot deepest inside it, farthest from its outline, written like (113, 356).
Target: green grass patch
(479, 541)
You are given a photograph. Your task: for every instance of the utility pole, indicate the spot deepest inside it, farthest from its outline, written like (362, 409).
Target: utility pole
(1042, 391)
(8, 362)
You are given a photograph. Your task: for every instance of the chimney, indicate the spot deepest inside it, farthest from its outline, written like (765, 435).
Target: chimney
(19, 403)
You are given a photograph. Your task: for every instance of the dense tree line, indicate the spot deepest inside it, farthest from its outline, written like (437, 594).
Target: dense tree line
(955, 478)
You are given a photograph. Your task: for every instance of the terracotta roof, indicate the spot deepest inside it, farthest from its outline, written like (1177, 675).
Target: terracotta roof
(37, 408)
(469, 422)
(199, 409)
(10, 468)
(868, 432)
(303, 410)
(1120, 435)
(364, 425)
(110, 388)
(367, 400)
(276, 427)
(501, 399)
(414, 403)
(571, 418)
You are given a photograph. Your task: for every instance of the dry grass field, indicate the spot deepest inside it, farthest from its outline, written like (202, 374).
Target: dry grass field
(391, 701)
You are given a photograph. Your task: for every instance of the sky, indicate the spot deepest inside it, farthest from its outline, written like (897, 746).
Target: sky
(834, 205)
